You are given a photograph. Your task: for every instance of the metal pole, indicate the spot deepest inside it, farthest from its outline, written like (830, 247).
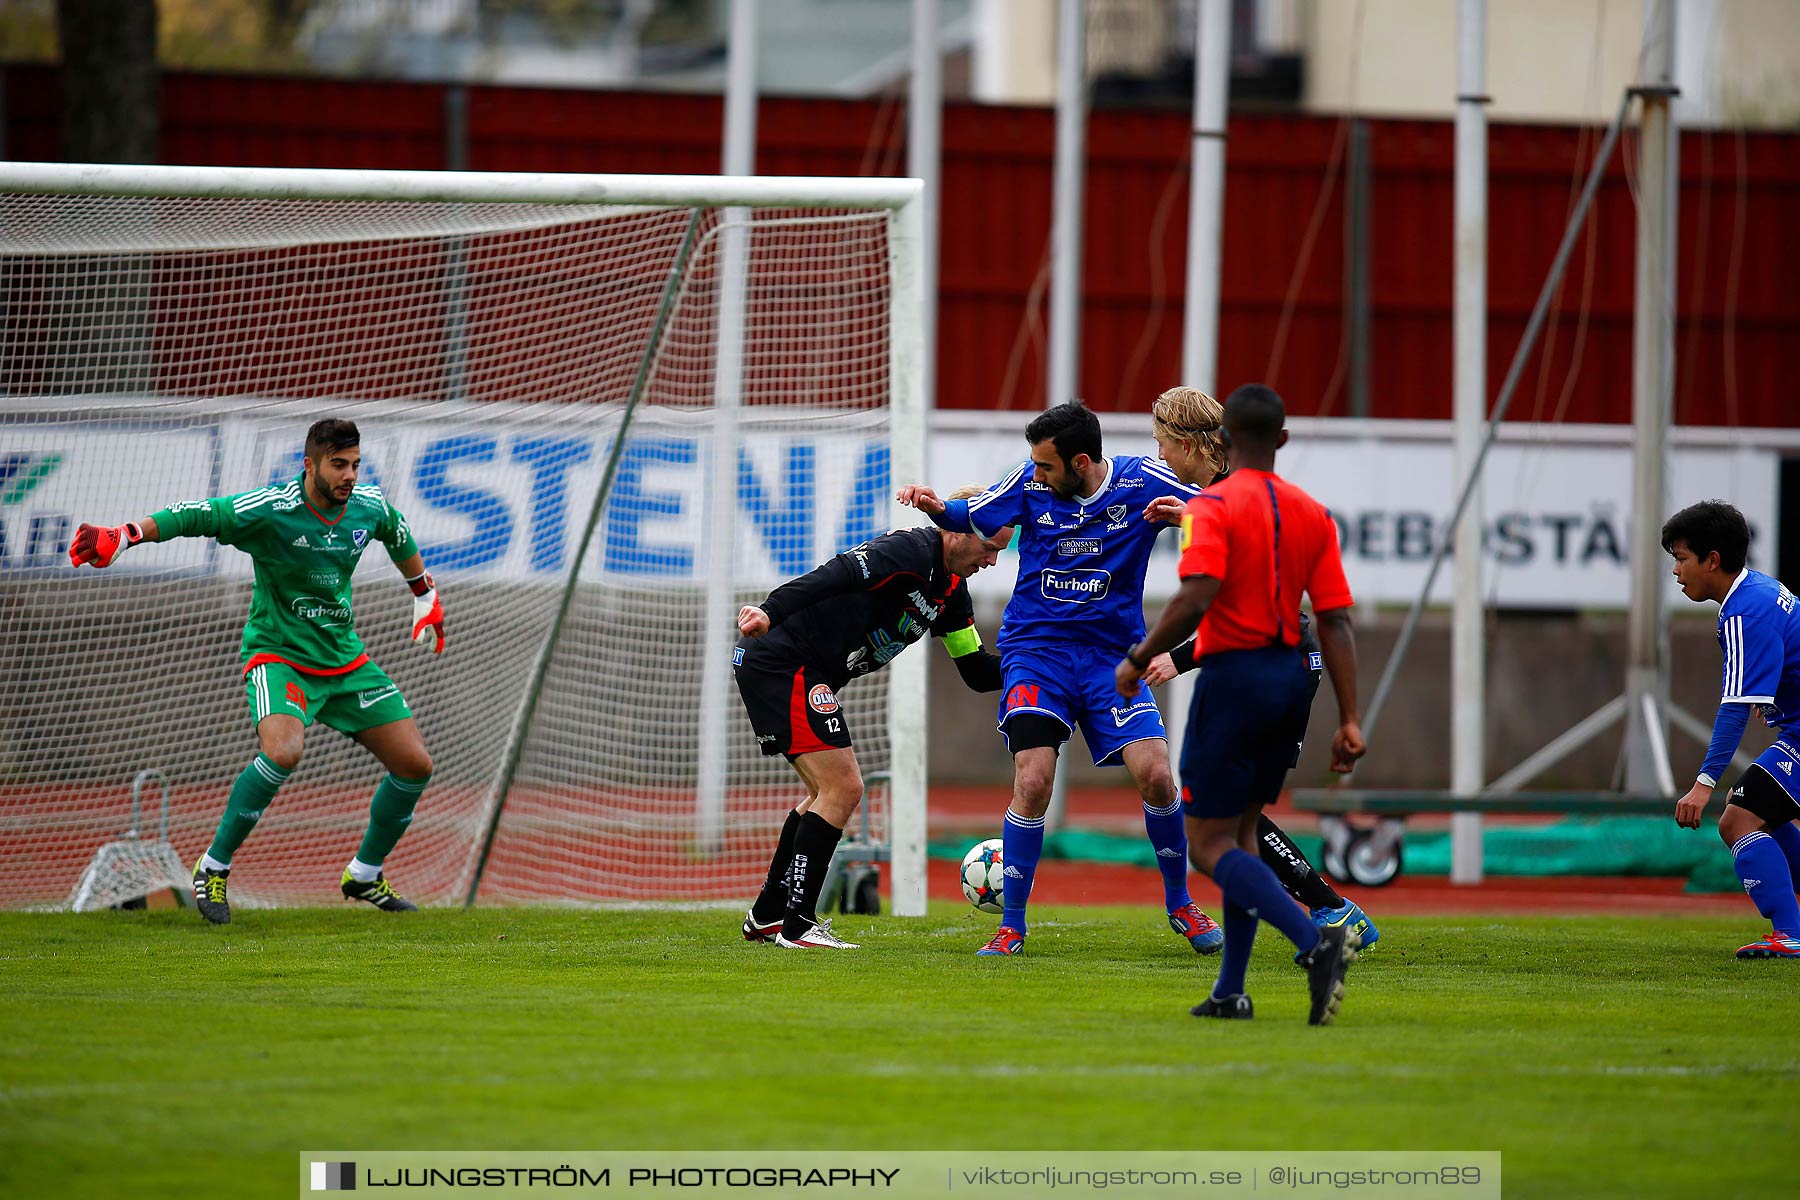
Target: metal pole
(1065, 257)
(908, 697)
(1468, 640)
(1652, 403)
(1206, 226)
(924, 160)
(1533, 327)
(1066, 221)
(722, 489)
(1206, 195)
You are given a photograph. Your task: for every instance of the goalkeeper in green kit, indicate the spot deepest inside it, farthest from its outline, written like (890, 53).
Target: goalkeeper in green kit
(303, 661)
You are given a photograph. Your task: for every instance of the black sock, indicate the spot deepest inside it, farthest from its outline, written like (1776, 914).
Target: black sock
(1290, 866)
(771, 902)
(814, 843)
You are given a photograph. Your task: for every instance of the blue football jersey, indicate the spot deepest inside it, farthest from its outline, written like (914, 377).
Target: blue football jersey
(1759, 631)
(1081, 561)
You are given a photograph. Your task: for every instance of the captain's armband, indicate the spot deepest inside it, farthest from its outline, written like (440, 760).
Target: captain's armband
(961, 642)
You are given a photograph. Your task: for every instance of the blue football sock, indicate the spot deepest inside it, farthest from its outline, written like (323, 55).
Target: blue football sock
(1023, 839)
(1248, 883)
(1787, 836)
(1240, 934)
(1169, 836)
(1764, 869)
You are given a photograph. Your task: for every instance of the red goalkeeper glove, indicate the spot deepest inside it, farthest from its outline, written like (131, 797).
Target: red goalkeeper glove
(101, 546)
(428, 612)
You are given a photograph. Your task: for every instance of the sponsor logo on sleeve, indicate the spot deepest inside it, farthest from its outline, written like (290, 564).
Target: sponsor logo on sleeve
(1074, 585)
(821, 699)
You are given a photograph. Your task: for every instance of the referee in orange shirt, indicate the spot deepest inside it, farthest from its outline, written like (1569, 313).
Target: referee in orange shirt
(1250, 545)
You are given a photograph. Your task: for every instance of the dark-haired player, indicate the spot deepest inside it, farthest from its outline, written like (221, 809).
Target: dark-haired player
(845, 618)
(1251, 545)
(1759, 631)
(303, 660)
(1188, 425)
(1086, 526)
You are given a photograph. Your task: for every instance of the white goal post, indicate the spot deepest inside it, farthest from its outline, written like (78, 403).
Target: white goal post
(612, 407)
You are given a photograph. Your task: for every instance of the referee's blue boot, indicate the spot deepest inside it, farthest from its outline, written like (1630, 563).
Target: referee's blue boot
(1351, 916)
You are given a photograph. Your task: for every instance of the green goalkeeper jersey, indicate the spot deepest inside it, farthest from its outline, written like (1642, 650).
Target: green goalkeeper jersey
(304, 557)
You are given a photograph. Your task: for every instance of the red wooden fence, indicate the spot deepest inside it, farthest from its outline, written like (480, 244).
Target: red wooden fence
(1738, 320)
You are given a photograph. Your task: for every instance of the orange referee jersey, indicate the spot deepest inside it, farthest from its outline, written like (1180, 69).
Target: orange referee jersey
(1266, 541)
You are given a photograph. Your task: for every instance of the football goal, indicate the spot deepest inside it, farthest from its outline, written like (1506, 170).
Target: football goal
(613, 409)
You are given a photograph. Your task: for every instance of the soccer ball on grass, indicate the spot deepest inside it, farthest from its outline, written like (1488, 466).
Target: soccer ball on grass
(983, 880)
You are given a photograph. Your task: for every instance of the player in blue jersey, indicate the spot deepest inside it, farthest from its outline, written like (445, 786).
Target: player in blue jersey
(1086, 527)
(1759, 631)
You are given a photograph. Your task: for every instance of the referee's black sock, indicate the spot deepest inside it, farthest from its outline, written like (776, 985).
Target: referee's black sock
(814, 843)
(1290, 866)
(771, 902)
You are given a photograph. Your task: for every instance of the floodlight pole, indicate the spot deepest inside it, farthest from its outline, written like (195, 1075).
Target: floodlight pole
(720, 618)
(925, 160)
(1652, 408)
(1468, 636)
(1063, 376)
(1206, 227)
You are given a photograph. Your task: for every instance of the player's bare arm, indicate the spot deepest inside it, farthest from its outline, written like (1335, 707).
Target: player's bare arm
(1181, 614)
(917, 495)
(1337, 643)
(1689, 808)
(1166, 509)
(752, 621)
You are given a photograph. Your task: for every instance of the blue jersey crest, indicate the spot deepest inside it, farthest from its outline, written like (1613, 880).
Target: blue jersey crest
(1081, 561)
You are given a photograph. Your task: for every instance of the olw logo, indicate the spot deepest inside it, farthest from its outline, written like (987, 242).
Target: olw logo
(22, 472)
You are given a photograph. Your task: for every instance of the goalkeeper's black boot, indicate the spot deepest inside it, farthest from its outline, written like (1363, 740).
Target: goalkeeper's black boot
(380, 893)
(209, 894)
(1325, 965)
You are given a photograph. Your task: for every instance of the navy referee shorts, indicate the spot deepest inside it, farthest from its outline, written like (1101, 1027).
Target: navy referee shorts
(1245, 724)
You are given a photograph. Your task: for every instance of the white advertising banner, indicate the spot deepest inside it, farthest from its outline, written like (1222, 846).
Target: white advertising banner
(1557, 499)
(504, 493)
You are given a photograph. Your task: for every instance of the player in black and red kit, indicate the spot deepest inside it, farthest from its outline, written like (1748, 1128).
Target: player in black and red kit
(846, 618)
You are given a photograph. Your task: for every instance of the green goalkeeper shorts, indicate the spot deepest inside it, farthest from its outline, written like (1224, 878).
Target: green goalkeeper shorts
(349, 703)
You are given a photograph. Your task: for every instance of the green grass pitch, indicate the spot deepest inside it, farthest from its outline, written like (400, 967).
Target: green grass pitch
(146, 1054)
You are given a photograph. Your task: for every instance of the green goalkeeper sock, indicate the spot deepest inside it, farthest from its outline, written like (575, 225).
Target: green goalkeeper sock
(389, 814)
(250, 795)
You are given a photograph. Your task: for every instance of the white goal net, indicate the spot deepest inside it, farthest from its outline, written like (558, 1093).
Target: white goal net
(169, 334)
